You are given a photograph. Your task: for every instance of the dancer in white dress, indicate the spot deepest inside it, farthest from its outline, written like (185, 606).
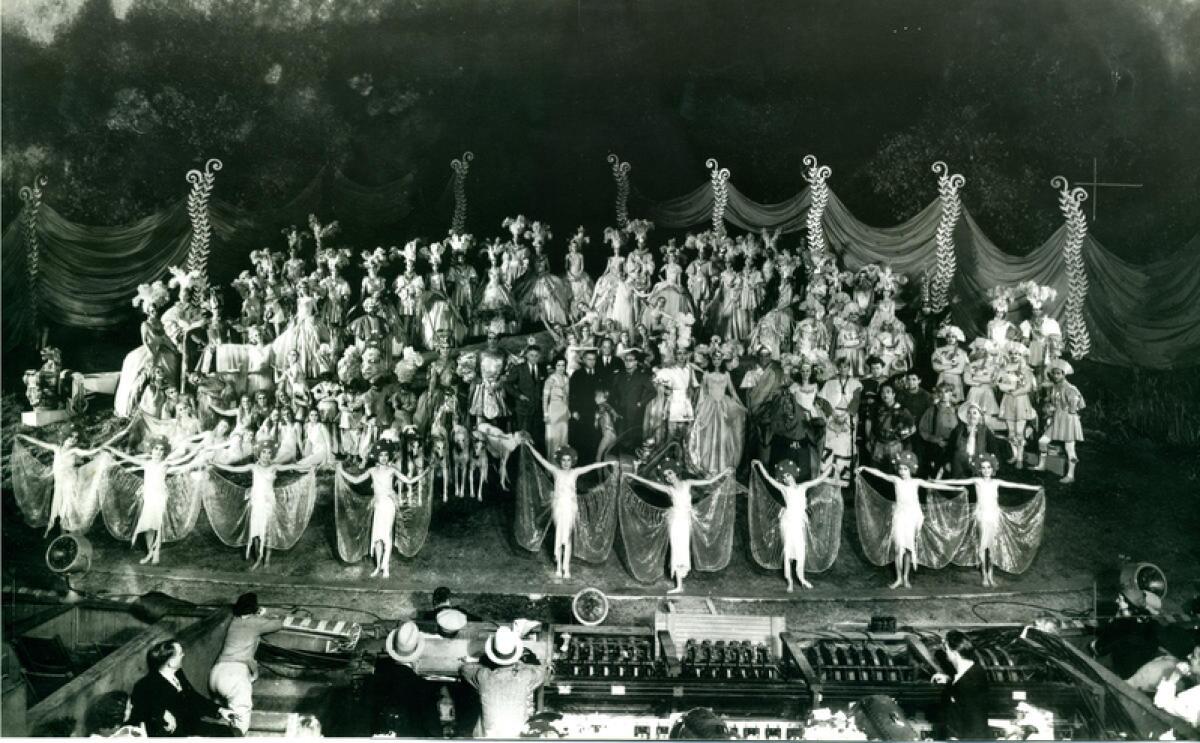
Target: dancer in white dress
(383, 505)
(679, 528)
(987, 508)
(793, 519)
(566, 503)
(262, 499)
(907, 518)
(67, 480)
(155, 470)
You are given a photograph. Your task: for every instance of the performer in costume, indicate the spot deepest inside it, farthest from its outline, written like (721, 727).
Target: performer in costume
(1016, 384)
(1040, 328)
(154, 495)
(679, 516)
(613, 297)
(156, 350)
(440, 318)
(793, 520)
(718, 432)
(1065, 402)
(304, 333)
(950, 360)
(73, 499)
(261, 501)
(383, 478)
(554, 406)
(565, 508)
(577, 277)
(1009, 536)
(907, 518)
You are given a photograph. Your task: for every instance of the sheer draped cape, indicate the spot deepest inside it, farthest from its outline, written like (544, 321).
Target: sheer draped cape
(1022, 521)
(353, 512)
(33, 487)
(596, 512)
(825, 511)
(939, 540)
(227, 504)
(121, 494)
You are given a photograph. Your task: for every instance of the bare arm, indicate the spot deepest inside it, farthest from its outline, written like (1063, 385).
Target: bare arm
(292, 467)
(942, 485)
(962, 482)
(233, 467)
(541, 460)
(126, 457)
(410, 480)
(710, 480)
(596, 466)
(35, 442)
(231, 412)
(878, 473)
(648, 483)
(352, 478)
(762, 470)
(1017, 485)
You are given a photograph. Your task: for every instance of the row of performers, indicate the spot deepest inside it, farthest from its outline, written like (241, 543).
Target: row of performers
(659, 505)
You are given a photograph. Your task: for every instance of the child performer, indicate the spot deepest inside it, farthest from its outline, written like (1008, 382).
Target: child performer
(680, 517)
(1066, 401)
(907, 517)
(383, 505)
(606, 423)
(155, 470)
(1016, 383)
(987, 509)
(793, 519)
(566, 505)
(261, 498)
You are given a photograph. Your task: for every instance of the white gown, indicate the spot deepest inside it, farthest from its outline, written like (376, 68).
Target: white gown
(154, 498)
(262, 503)
(679, 532)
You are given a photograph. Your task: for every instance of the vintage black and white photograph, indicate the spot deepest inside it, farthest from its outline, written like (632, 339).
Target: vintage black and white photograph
(600, 369)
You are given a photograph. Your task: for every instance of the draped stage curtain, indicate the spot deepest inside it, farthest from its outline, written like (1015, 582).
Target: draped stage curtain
(1138, 315)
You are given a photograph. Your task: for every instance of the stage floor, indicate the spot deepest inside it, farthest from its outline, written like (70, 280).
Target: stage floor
(1113, 511)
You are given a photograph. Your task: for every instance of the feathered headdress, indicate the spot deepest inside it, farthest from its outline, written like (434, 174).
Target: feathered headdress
(295, 238)
(406, 368)
(770, 239)
(614, 237)
(1001, 296)
(334, 258)
(150, 297)
(433, 253)
(261, 259)
(245, 282)
(319, 231)
(888, 282)
(376, 258)
(460, 243)
(408, 253)
(580, 238)
(639, 228)
(1036, 294)
(539, 234)
(494, 249)
(515, 225)
(181, 279)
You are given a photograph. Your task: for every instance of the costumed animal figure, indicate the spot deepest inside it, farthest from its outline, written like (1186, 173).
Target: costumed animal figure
(461, 459)
(501, 445)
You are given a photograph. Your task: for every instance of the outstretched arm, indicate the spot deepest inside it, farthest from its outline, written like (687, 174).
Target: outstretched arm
(292, 467)
(35, 442)
(648, 483)
(541, 460)
(410, 480)
(1018, 486)
(762, 470)
(123, 456)
(878, 473)
(596, 466)
(962, 482)
(941, 485)
(233, 467)
(353, 478)
(230, 412)
(711, 480)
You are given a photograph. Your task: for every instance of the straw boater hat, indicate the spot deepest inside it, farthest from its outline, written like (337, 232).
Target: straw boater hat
(966, 408)
(450, 621)
(405, 643)
(907, 459)
(503, 648)
(978, 460)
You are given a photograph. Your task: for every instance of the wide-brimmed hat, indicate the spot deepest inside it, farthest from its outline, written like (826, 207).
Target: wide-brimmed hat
(1062, 365)
(965, 408)
(450, 621)
(907, 459)
(503, 648)
(405, 643)
(978, 460)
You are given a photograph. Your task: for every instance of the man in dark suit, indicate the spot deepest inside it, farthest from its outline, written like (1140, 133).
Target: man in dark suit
(607, 364)
(632, 392)
(168, 705)
(524, 385)
(582, 431)
(965, 698)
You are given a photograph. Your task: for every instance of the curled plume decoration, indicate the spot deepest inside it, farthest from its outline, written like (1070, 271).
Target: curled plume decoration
(321, 231)
(936, 288)
(620, 172)
(1070, 201)
(720, 189)
(816, 176)
(460, 166)
(197, 207)
(32, 196)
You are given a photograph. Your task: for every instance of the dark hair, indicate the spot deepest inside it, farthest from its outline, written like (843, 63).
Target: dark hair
(441, 594)
(961, 644)
(533, 347)
(106, 712)
(159, 653)
(699, 723)
(874, 360)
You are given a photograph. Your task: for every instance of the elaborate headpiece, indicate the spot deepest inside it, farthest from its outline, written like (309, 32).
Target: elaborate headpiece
(906, 459)
(978, 460)
(408, 253)
(460, 243)
(639, 228)
(433, 253)
(566, 451)
(376, 258)
(1062, 366)
(1036, 294)
(515, 225)
(614, 237)
(888, 282)
(1001, 296)
(151, 296)
(951, 333)
(539, 234)
(580, 238)
(787, 467)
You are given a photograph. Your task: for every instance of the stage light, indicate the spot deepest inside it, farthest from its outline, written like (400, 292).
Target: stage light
(67, 555)
(590, 606)
(1144, 585)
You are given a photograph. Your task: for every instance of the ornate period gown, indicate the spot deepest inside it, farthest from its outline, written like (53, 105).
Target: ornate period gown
(719, 430)
(699, 273)
(156, 348)
(442, 378)
(545, 297)
(463, 279)
(494, 298)
(440, 315)
(487, 399)
(671, 288)
(749, 297)
(980, 378)
(613, 298)
(337, 296)
(1036, 331)
(580, 282)
(726, 303)
(303, 335)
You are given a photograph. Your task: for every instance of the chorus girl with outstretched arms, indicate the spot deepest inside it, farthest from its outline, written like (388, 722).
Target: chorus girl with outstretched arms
(565, 507)
(261, 497)
(793, 519)
(65, 470)
(384, 476)
(155, 470)
(907, 518)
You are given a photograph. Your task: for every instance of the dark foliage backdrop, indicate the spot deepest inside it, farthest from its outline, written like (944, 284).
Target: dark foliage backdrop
(116, 103)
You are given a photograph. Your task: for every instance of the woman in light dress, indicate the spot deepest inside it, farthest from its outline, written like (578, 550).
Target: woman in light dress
(65, 470)
(384, 476)
(304, 333)
(793, 519)
(262, 499)
(155, 470)
(554, 406)
(719, 430)
(565, 506)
